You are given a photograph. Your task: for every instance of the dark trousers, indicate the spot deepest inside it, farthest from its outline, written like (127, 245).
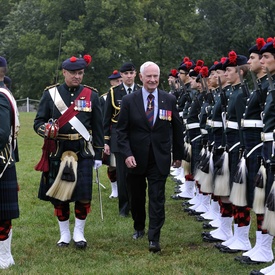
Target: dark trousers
(123, 194)
(156, 193)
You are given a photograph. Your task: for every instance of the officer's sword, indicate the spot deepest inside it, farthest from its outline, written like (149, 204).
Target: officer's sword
(99, 194)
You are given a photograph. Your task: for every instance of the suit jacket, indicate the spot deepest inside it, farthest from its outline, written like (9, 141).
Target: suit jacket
(111, 115)
(134, 134)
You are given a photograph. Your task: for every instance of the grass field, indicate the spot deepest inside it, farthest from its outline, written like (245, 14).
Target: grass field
(110, 249)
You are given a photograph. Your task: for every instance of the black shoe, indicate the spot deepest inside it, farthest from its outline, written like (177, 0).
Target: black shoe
(138, 234)
(194, 213)
(219, 245)
(256, 272)
(247, 260)
(62, 244)
(80, 244)
(154, 247)
(211, 239)
(206, 233)
(240, 258)
(208, 226)
(229, 250)
(177, 197)
(185, 203)
(200, 218)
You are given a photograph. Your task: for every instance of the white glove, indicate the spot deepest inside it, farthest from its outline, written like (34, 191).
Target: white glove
(97, 164)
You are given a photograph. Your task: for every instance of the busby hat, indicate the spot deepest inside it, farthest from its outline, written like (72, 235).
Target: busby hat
(187, 64)
(73, 63)
(127, 66)
(174, 73)
(213, 67)
(268, 47)
(234, 60)
(114, 75)
(197, 68)
(3, 62)
(260, 42)
(219, 65)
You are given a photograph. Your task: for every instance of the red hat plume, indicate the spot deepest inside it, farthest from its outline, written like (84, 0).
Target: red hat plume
(260, 42)
(174, 72)
(186, 59)
(223, 59)
(200, 63)
(269, 39)
(232, 56)
(204, 71)
(87, 58)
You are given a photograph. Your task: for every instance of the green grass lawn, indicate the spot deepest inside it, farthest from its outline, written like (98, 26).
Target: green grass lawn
(110, 249)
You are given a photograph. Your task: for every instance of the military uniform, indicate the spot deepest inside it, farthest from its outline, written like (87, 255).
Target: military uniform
(111, 115)
(72, 150)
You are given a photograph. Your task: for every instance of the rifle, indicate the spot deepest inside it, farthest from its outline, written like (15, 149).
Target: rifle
(209, 94)
(222, 95)
(243, 84)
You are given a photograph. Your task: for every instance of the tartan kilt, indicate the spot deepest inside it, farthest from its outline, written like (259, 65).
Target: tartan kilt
(266, 154)
(252, 137)
(232, 138)
(196, 149)
(84, 183)
(9, 208)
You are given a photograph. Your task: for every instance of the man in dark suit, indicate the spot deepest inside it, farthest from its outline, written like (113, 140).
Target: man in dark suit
(111, 114)
(146, 146)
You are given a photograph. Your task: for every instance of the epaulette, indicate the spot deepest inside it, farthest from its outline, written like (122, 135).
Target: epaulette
(92, 88)
(49, 87)
(140, 86)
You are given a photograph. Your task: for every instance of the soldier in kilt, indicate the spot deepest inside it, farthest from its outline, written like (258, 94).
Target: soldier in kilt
(223, 222)
(268, 63)
(9, 208)
(234, 142)
(252, 127)
(69, 118)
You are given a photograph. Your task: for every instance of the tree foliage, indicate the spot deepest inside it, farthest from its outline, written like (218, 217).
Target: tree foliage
(36, 36)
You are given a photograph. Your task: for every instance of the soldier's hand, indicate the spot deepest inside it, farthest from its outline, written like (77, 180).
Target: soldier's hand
(107, 149)
(176, 163)
(130, 162)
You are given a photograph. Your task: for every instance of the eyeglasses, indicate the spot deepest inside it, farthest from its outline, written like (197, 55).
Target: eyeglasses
(75, 73)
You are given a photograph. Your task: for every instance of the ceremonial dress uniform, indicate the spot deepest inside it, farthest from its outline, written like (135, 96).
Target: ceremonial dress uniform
(77, 145)
(9, 208)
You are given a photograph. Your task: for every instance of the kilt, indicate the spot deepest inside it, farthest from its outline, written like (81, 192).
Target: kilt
(266, 154)
(83, 188)
(252, 137)
(217, 136)
(9, 208)
(232, 138)
(196, 149)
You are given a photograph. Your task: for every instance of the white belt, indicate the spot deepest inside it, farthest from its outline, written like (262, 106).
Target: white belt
(180, 114)
(252, 123)
(232, 125)
(267, 136)
(209, 122)
(204, 132)
(216, 124)
(192, 126)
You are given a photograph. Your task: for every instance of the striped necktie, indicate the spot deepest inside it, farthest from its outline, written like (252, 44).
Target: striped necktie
(150, 109)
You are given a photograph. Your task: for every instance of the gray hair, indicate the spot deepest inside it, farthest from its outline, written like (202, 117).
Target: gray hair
(147, 64)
